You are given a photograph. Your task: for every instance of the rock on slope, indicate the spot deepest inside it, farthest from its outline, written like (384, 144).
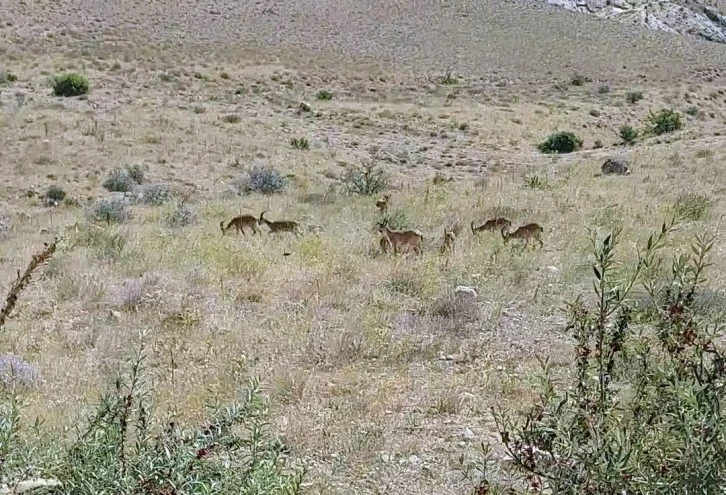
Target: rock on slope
(681, 17)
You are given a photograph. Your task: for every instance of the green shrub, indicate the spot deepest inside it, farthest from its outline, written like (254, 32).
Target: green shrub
(262, 179)
(665, 121)
(119, 180)
(366, 181)
(396, 220)
(634, 97)
(136, 172)
(110, 211)
(155, 195)
(628, 133)
(641, 412)
(105, 244)
(561, 142)
(324, 95)
(53, 196)
(300, 143)
(579, 80)
(692, 110)
(124, 179)
(449, 79)
(70, 84)
(181, 216)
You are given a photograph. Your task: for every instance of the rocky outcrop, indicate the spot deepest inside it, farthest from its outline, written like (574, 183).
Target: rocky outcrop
(672, 16)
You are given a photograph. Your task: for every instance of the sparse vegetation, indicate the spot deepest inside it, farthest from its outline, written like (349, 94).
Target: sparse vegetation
(628, 133)
(664, 121)
(324, 95)
(232, 118)
(561, 142)
(693, 111)
(70, 84)
(262, 179)
(448, 79)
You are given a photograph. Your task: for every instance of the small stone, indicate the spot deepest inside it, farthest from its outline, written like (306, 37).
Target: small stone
(305, 107)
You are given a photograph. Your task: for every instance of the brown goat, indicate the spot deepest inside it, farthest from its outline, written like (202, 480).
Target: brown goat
(385, 244)
(239, 223)
(449, 243)
(492, 224)
(403, 238)
(382, 203)
(280, 225)
(525, 232)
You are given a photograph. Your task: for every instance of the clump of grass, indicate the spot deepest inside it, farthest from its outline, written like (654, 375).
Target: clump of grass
(580, 80)
(70, 84)
(448, 79)
(232, 118)
(16, 373)
(561, 142)
(155, 194)
(536, 182)
(106, 245)
(692, 206)
(324, 95)
(300, 143)
(692, 110)
(628, 133)
(119, 180)
(7, 77)
(664, 121)
(181, 216)
(365, 181)
(53, 196)
(634, 97)
(124, 179)
(262, 179)
(603, 89)
(110, 210)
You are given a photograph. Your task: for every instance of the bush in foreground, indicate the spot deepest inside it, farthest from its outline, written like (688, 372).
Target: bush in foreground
(366, 181)
(125, 448)
(70, 84)
(561, 142)
(642, 411)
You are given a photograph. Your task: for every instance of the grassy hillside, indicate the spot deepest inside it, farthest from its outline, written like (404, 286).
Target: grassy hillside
(375, 382)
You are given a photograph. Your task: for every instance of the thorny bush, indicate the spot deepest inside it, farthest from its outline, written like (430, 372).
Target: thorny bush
(642, 412)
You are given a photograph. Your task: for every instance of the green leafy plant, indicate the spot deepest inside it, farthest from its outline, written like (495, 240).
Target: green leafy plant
(300, 143)
(70, 84)
(641, 412)
(324, 95)
(628, 133)
(365, 181)
(664, 121)
(634, 97)
(561, 142)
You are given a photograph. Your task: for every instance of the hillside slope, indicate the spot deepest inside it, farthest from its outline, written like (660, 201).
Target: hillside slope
(678, 17)
(527, 41)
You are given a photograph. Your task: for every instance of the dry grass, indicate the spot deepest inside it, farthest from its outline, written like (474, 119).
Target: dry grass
(374, 382)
